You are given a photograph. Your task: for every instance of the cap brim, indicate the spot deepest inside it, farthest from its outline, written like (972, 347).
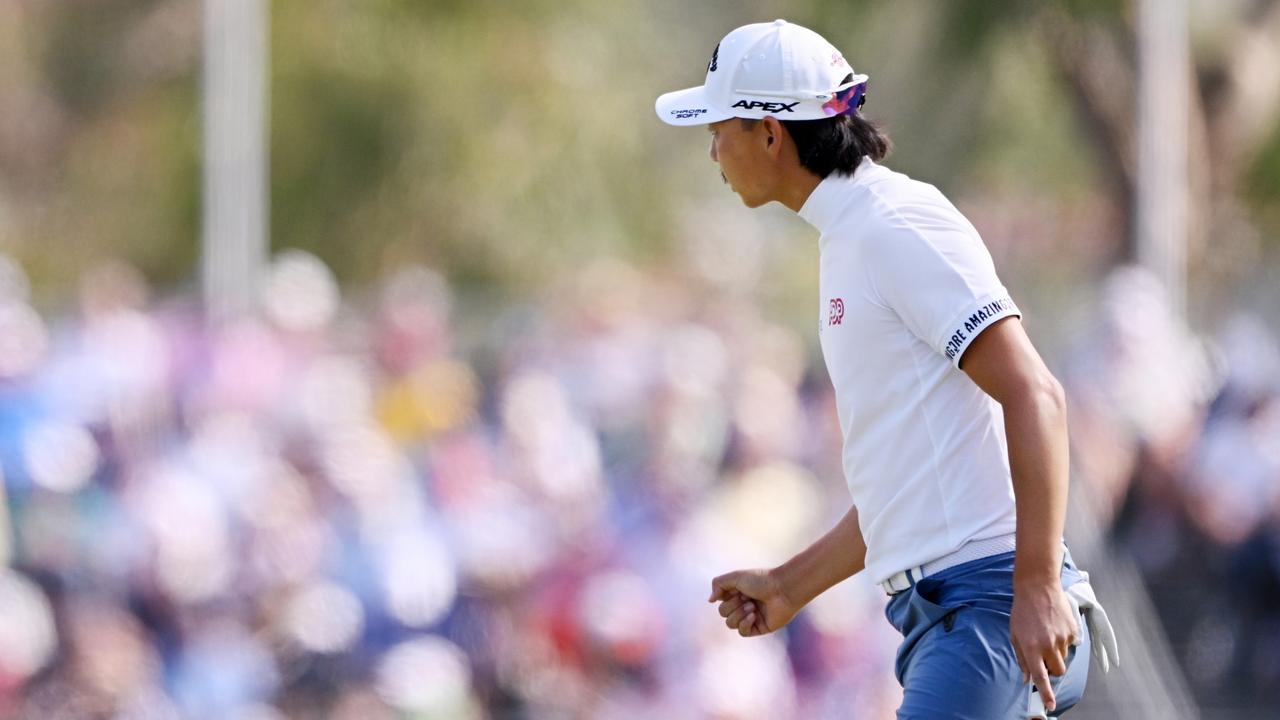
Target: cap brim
(687, 107)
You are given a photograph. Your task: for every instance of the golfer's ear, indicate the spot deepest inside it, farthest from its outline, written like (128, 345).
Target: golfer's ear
(772, 134)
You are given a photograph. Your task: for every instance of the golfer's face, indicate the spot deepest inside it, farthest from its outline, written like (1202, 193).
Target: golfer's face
(740, 154)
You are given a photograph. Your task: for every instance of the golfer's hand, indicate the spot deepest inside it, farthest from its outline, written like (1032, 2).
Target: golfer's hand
(752, 602)
(1043, 629)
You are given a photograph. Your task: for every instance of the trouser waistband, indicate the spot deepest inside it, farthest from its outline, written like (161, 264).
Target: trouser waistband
(972, 550)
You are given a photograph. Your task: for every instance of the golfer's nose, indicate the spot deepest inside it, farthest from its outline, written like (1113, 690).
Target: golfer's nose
(712, 151)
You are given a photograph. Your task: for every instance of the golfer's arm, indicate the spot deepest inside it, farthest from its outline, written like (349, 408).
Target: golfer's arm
(1003, 363)
(832, 558)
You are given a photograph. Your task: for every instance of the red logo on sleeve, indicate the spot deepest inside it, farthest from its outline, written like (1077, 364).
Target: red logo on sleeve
(837, 312)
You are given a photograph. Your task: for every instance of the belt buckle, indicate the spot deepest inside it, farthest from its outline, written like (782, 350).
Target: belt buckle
(891, 587)
(887, 586)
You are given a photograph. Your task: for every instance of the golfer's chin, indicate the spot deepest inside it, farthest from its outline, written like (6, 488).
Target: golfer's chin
(748, 200)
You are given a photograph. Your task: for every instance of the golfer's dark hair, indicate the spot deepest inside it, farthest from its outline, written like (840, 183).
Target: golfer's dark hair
(835, 144)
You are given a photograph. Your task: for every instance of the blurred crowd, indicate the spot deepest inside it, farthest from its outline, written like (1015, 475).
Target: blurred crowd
(378, 506)
(1176, 442)
(347, 508)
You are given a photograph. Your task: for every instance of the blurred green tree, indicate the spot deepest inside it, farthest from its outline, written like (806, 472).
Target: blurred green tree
(509, 143)
(1235, 106)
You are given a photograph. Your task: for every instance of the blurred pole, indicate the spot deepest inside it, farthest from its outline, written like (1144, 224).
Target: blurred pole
(234, 242)
(1164, 80)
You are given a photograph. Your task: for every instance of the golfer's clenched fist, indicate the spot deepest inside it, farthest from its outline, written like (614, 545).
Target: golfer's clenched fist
(753, 602)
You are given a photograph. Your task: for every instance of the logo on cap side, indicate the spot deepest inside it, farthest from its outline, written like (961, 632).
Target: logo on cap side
(767, 106)
(715, 56)
(688, 113)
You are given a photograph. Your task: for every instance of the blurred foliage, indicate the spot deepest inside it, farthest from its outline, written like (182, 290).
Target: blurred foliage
(493, 143)
(1263, 183)
(509, 144)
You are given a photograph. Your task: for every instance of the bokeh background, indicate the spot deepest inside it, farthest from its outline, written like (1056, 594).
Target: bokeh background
(511, 374)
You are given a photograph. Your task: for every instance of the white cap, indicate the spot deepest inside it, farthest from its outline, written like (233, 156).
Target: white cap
(768, 69)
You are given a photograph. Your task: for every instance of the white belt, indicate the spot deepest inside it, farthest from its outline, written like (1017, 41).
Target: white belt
(972, 550)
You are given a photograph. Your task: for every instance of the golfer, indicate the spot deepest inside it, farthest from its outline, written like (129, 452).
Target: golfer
(955, 432)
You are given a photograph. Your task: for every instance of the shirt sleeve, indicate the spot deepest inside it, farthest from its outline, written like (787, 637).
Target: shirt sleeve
(940, 280)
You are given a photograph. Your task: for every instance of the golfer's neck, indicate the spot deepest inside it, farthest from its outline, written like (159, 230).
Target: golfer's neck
(797, 187)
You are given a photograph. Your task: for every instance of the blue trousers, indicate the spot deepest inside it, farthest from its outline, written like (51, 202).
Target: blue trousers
(956, 660)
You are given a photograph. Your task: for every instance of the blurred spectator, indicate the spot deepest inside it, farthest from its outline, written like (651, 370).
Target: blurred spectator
(1175, 442)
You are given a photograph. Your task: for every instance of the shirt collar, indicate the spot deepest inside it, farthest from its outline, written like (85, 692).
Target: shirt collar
(823, 205)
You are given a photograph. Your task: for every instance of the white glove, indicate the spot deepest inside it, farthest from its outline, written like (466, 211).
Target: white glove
(1104, 637)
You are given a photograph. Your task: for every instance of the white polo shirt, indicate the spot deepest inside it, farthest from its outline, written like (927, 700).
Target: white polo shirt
(906, 285)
